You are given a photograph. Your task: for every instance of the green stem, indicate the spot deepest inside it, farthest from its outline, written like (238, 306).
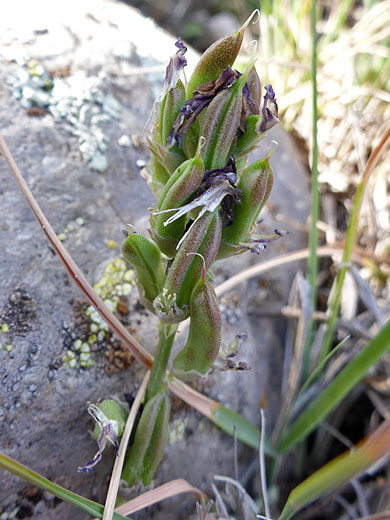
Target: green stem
(334, 303)
(312, 264)
(167, 334)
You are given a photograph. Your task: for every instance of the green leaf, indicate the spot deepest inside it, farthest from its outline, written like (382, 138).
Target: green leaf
(227, 419)
(337, 389)
(91, 507)
(339, 471)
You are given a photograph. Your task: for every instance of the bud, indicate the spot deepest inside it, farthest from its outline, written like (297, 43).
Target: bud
(203, 238)
(204, 337)
(182, 184)
(147, 450)
(145, 257)
(217, 57)
(170, 109)
(255, 184)
(221, 122)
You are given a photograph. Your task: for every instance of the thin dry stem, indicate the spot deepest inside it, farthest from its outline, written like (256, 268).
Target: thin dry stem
(201, 403)
(170, 489)
(257, 269)
(117, 471)
(76, 274)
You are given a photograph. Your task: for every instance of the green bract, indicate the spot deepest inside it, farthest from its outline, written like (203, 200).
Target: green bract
(145, 257)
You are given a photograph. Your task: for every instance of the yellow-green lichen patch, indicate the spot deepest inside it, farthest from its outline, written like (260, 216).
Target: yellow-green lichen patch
(117, 280)
(111, 244)
(177, 430)
(8, 348)
(4, 328)
(69, 359)
(71, 226)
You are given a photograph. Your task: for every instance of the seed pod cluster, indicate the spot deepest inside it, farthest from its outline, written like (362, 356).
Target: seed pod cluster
(208, 203)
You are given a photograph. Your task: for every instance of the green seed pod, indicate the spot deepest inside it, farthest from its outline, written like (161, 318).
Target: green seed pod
(217, 57)
(204, 337)
(147, 450)
(170, 108)
(114, 411)
(256, 184)
(145, 257)
(194, 257)
(220, 124)
(180, 187)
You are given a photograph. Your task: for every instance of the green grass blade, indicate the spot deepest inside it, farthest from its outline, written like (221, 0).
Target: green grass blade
(335, 298)
(312, 263)
(228, 419)
(318, 369)
(337, 389)
(334, 303)
(339, 471)
(91, 507)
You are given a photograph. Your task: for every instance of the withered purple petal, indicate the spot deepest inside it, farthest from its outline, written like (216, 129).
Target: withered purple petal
(108, 433)
(270, 117)
(202, 97)
(175, 65)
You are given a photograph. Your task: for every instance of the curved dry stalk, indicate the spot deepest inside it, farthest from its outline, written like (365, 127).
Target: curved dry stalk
(74, 271)
(170, 489)
(257, 269)
(198, 401)
(109, 505)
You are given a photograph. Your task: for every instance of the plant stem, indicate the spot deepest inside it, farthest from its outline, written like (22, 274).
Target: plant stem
(167, 334)
(312, 264)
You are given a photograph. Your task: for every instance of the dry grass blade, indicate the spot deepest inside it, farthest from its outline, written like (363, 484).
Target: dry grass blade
(258, 269)
(76, 274)
(200, 402)
(170, 489)
(117, 471)
(339, 471)
(263, 472)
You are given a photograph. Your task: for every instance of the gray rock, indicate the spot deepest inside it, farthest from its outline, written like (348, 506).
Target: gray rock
(43, 402)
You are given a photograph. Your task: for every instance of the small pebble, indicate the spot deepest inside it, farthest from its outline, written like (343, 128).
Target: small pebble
(124, 140)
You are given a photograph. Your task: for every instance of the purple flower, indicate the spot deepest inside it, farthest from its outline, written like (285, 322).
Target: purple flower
(175, 66)
(257, 244)
(227, 352)
(202, 97)
(172, 73)
(270, 118)
(108, 433)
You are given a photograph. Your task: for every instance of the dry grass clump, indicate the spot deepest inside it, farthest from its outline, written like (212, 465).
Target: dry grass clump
(353, 102)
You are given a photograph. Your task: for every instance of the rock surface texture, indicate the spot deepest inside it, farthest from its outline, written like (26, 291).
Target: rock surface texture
(77, 148)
